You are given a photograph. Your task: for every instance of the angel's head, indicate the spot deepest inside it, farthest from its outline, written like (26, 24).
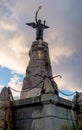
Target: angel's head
(39, 21)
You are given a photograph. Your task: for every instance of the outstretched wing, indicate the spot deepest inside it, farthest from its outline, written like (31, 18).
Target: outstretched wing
(34, 25)
(46, 27)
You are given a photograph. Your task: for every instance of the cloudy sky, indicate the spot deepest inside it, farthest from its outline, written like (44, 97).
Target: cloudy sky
(64, 38)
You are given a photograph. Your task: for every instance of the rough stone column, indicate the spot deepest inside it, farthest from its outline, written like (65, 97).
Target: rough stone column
(78, 106)
(39, 66)
(5, 110)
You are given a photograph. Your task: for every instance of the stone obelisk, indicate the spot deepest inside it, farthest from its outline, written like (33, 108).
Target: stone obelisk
(38, 73)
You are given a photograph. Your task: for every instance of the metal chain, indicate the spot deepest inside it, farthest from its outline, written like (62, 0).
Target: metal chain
(67, 94)
(26, 90)
(43, 78)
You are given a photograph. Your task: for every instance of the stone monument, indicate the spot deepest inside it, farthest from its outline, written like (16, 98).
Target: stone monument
(39, 70)
(40, 107)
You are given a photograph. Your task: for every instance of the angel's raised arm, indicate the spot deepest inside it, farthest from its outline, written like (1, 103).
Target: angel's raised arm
(37, 13)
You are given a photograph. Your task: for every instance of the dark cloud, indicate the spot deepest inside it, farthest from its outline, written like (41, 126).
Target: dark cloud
(70, 69)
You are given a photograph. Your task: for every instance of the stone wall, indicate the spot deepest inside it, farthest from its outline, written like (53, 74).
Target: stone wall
(45, 112)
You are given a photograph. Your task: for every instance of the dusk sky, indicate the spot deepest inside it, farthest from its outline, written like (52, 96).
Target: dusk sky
(64, 39)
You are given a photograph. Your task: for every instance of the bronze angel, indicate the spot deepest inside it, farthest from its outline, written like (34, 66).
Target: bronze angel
(38, 26)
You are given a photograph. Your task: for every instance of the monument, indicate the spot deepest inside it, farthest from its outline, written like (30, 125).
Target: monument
(39, 69)
(40, 107)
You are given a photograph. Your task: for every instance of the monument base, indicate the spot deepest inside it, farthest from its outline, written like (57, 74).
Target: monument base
(45, 112)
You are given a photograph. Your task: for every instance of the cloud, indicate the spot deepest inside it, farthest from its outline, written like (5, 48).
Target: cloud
(1, 86)
(16, 84)
(13, 53)
(13, 42)
(58, 47)
(71, 73)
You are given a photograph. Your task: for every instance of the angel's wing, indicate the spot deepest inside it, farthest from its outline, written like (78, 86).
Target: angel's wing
(34, 25)
(46, 27)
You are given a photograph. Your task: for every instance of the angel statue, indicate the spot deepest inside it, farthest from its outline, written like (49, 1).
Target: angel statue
(38, 26)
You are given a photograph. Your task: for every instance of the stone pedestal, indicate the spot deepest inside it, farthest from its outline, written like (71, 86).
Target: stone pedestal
(79, 112)
(39, 66)
(45, 112)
